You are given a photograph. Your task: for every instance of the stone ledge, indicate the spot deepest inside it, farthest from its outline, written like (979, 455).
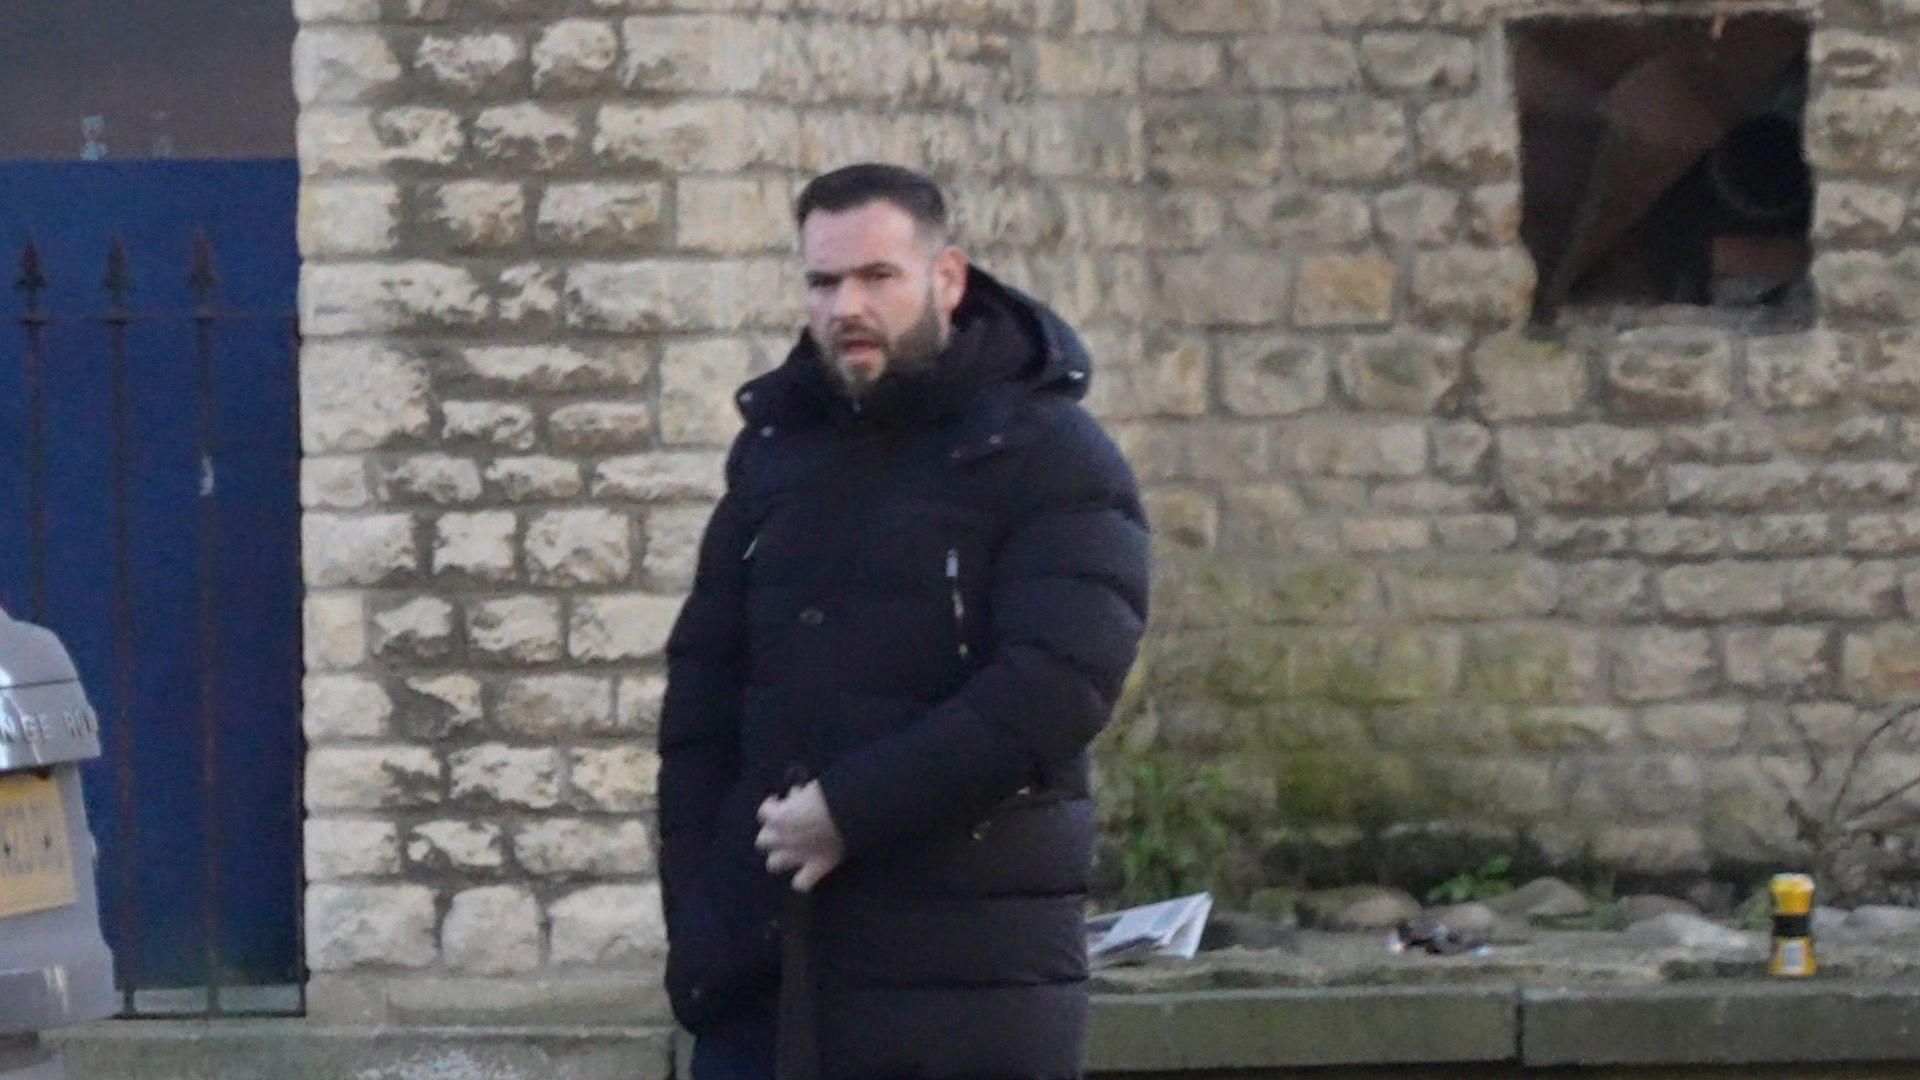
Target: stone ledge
(1281, 1028)
(583, 1000)
(1711, 1024)
(1721, 1023)
(276, 1049)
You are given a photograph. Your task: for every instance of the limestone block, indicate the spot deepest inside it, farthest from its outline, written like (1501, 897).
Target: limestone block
(579, 547)
(353, 926)
(372, 777)
(624, 627)
(492, 930)
(480, 215)
(719, 136)
(1519, 378)
(360, 396)
(421, 630)
(1471, 139)
(345, 707)
(1723, 590)
(341, 550)
(1588, 466)
(637, 703)
(547, 706)
(509, 776)
(1419, 214)
(356, 298)
(566, 847)
(1713, 727)
(613, 779)
(604, 924)
(1296, 61)
(1223, 287)
(1352, 140)
(1345, 290)
(1214, 140)
(603, 216)
(340, 65)
(731, 215)
(575, 56)
(1486, 286)
(528, 136)
(433, 478)
(1785, 659)
(501, 424)
(1656, 664)
(454, 844)
(335, 631)
(478, 546)
(1408, 371)
(673, 544)
(348, 218)
(517, 629)
(1271, 375)
(544, 368)
(344, 139)
(661, 477)
(1410, 60)
(1799, 371)
(334, 483)
(482, 64)
(338, 847)
(1661, 372)
(529, 478)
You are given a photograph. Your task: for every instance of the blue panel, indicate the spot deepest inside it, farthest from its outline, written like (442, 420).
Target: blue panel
(189, 840)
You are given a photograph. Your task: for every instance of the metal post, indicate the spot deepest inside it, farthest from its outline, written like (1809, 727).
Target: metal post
(117, 284)
(33, 281)
(204, 281)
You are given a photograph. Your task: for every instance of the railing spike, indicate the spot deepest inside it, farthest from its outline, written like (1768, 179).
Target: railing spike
(33, 275)
(202, 277)
(119, 280)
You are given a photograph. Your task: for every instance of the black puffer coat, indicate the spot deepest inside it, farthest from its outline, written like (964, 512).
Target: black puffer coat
(930, 605)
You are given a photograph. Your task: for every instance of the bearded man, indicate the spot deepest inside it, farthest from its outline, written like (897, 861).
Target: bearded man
(913, 610)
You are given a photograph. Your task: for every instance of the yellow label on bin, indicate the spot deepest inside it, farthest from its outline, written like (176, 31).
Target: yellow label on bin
(36, 868)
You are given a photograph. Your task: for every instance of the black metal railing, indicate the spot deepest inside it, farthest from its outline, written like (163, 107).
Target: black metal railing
(111, 328)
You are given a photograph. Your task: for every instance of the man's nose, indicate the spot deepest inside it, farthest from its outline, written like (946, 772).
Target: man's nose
(846, 300)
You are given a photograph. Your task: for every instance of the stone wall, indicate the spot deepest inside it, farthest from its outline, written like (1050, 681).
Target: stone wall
(544, 241)
(545, 238)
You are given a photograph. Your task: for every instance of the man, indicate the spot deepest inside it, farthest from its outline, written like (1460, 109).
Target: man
(914, 608)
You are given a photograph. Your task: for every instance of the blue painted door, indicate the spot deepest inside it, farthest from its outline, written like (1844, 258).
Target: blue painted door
(163, 543)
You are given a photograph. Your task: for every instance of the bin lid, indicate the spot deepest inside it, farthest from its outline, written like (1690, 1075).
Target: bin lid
(31, 655)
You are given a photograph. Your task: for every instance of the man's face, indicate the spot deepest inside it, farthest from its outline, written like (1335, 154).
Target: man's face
(880, 296)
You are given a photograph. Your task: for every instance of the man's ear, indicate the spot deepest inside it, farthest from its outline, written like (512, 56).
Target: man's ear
(949, 278)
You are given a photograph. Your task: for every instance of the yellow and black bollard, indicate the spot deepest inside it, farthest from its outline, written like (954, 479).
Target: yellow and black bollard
(1792, 925)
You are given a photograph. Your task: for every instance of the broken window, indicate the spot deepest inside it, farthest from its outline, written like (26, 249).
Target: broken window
(1662, 160)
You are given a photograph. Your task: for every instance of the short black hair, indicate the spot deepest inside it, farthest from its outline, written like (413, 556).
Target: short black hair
(854, 186)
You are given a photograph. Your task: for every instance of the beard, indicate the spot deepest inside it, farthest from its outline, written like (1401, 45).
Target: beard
(911, 353)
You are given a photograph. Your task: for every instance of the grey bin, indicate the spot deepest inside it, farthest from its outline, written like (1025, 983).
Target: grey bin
(55, 969)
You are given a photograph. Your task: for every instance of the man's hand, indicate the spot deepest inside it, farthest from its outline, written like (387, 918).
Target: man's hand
(798, 833)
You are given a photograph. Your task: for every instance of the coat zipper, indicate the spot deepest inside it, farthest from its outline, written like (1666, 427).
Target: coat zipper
(959, 605)
(751, 544)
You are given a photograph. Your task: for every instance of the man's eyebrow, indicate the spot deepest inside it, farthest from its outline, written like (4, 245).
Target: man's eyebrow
(836, 275)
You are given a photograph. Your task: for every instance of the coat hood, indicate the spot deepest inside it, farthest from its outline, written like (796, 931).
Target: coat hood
(1056, 359)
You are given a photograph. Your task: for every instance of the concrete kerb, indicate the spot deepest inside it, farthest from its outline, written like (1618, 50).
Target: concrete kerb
(274, 1049)
(1721, 1023)
(1302, 1027)
(1712, 1023)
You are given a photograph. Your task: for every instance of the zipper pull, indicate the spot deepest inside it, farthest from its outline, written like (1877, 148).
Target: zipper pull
(751, 544)
(959, 605)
